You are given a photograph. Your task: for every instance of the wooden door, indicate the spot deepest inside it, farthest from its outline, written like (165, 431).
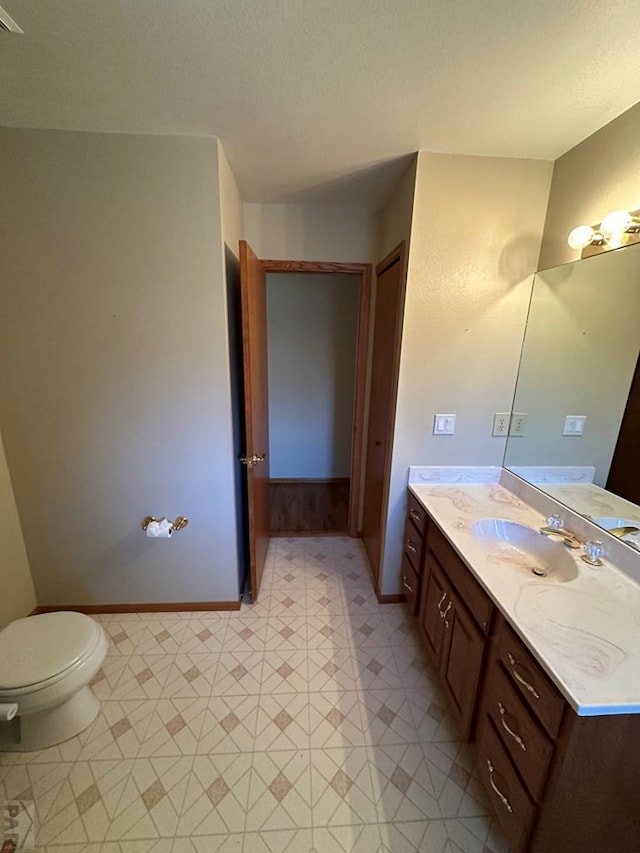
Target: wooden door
(623, 477)
(256, 395)
(462, 656)
(387, 328)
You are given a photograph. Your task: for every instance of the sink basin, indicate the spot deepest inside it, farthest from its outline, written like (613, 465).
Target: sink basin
(525, 550)
(611, 521)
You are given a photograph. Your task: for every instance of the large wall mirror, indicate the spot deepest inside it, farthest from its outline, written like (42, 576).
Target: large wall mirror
(579, 385)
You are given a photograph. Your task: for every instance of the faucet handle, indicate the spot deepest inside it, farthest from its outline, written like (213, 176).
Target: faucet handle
(554, 522)
(593, 550)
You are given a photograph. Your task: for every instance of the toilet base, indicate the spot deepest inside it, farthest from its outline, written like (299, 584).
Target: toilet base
(52, 726)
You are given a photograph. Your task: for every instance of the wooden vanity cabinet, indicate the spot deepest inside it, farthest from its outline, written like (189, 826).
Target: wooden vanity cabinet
(412, 555)
(559, 782)
(455, 615)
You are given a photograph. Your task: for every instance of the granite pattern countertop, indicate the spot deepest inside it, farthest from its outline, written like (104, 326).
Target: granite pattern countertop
(585, 633)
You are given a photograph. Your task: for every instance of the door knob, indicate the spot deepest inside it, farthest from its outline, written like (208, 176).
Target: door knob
(251, 461)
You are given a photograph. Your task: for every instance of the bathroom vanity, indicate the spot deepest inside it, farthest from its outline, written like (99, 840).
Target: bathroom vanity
(543, 671)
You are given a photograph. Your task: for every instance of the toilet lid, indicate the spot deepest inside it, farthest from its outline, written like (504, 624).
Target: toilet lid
(38, 647)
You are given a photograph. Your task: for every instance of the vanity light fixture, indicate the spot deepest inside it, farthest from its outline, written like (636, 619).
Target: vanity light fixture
(584, 235)
(618, 228)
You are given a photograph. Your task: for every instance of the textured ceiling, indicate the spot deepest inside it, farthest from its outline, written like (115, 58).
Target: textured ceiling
(319, 98)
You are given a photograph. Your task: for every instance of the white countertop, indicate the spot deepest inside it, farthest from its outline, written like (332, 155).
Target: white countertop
(585, 633)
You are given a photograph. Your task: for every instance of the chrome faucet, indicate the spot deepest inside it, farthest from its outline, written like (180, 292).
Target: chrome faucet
(555, 527)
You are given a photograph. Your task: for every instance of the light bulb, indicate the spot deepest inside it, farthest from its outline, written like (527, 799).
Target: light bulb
(581, 236)
(615, 222)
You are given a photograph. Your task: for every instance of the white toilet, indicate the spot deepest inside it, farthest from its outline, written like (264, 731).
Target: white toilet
(46, 664)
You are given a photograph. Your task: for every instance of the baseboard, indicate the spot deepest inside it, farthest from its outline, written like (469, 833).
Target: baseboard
(292, 481)
(311, 534)
(399, 598)
(160, 607)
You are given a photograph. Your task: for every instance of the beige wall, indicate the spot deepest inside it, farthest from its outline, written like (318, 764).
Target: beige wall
(18, 597)
(475, 239)
(297, 232)
(597, 176)
(230, 204)
(114, 369)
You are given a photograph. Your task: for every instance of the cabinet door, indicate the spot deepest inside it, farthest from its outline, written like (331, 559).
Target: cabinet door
(435, 601)
(462, 659)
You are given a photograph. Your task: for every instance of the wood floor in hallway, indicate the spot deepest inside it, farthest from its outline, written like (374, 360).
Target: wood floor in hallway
(309, 506)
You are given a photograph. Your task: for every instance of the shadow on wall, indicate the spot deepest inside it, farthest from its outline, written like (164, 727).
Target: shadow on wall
(519, 259)
(234, 319)
(369, 186)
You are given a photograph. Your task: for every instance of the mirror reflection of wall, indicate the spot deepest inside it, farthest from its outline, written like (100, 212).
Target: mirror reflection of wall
(579, 356)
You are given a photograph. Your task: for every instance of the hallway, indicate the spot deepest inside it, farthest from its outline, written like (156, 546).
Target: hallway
(309, 507)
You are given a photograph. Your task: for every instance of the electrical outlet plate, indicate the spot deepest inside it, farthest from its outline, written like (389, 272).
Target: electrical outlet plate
(518, 423)
(501, 423)
(444, 424)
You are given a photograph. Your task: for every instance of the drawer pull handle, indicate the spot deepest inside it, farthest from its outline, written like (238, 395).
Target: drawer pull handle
(444, 615)
(520, 679)
(509, 731)
(505, 802)
(406, 585)
(415, 515)
(440, 603)
(411, 546)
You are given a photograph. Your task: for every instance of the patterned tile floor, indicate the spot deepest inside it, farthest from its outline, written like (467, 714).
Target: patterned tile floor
(310, 721)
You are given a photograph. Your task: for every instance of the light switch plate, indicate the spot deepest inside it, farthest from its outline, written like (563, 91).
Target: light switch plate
(574, 425)
(444, 424)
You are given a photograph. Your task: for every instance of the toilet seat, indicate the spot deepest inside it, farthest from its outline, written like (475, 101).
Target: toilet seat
(38, 650)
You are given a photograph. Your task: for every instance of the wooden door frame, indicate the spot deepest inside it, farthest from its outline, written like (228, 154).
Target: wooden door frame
(396, 254)
(363, 271)
(256, 411)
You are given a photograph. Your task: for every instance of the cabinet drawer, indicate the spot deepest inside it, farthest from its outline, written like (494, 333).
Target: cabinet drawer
(514, 809)
(529, 680)
(412, 546)
(521, 735)
(469, 590)
(410, 585)
(417, 514)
